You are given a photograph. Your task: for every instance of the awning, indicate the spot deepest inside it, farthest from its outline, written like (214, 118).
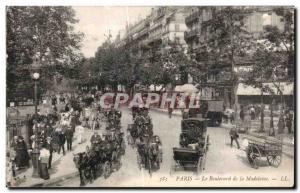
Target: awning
(287, 88)
(158, 88)
(186, 88)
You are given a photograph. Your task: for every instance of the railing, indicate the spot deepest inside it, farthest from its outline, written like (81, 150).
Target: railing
(191, 34)
(193, 17)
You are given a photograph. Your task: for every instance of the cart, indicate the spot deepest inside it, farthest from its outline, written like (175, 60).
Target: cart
(268, 147)
(194, 142)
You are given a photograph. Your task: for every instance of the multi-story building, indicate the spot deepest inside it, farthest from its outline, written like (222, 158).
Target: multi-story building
(217, 82)
(149, 39)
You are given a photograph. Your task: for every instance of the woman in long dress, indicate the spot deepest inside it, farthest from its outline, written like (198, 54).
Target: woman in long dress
(80, 131)
(44, 161)
(22, 158)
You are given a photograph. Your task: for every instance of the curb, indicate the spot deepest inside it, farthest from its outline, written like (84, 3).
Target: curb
(164, 111)
(226, 126)
(55, 180)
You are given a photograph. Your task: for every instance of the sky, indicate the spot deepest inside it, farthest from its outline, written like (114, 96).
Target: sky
(96, 22)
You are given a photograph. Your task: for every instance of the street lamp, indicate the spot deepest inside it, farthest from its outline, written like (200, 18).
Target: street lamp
(35, 77)
(35, 152)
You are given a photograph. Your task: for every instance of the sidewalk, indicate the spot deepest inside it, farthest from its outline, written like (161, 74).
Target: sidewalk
(175, 112)
(287, 139)
(62, 166)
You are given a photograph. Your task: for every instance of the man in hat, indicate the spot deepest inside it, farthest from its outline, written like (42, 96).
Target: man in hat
(61, 139)
(234, 136)
(49, 146)
(95, 140)
(69, 137)
(43, 162)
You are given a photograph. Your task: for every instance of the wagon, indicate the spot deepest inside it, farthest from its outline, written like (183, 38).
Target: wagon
(268, 147)
(194, 142)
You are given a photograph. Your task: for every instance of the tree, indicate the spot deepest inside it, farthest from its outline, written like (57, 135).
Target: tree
(112, 65)
(175, 64)
(226, 41)
(45, 34)
(273, 60)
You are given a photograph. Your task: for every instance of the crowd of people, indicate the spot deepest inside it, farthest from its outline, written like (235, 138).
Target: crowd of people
(52, 132)
(248, 114)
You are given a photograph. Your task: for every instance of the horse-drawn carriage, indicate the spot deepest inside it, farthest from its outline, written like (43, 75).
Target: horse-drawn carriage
(194, 143)
(149, 153)
(137, 131)
(262, 146)
(102, 159)
(113, 119)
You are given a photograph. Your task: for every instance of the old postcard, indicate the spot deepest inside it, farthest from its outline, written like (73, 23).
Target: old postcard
(162, 96)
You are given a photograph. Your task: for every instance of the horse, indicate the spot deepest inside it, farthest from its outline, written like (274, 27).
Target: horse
(86, 165)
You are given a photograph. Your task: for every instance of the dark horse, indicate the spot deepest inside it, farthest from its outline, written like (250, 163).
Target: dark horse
(86, 166)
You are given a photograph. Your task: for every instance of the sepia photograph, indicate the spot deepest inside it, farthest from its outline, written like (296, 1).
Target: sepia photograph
(150, 96)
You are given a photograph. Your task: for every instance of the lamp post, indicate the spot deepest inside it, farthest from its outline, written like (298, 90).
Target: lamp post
(35, 152)
(35, 77)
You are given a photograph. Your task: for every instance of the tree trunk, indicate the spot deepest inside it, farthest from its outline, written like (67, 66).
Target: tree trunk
(272, 131)
(262, 112)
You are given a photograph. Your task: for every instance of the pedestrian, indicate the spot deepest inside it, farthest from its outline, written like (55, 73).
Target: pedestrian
(281, 124)
(242, 114)
(69, 137)
(53, 100)
(49, 146)
(170, 110)
(289, 121)
(67, 108)
(252, 112)
(247, 121)
(234, 136)
(80, 131)
(95, 140)
(232, 117)
(73, 121)
(44, 160)
(22, 156)
(61, 140)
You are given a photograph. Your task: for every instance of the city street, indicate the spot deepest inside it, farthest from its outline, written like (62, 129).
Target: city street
(222, 161)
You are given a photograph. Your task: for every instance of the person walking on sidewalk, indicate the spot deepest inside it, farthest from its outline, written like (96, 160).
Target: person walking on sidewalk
(44, 160)
(289, 121)
(242, 114)
(69, 137)
(61, 140)
(80, 131)
(234, 136)
(281, 124)
(49, 146)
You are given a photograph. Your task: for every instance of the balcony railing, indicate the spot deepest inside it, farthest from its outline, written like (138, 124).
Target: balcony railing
(189, 35)
(193, 17)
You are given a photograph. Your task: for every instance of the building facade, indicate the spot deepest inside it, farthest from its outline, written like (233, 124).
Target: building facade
(216, 82)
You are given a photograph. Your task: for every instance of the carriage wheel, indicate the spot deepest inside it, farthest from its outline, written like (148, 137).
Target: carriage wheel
(274, 160)
(199, 165)
(106, 169)
(254, 156)
(207, 142)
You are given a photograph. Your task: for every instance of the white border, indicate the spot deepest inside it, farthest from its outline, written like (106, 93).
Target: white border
(4, 3)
